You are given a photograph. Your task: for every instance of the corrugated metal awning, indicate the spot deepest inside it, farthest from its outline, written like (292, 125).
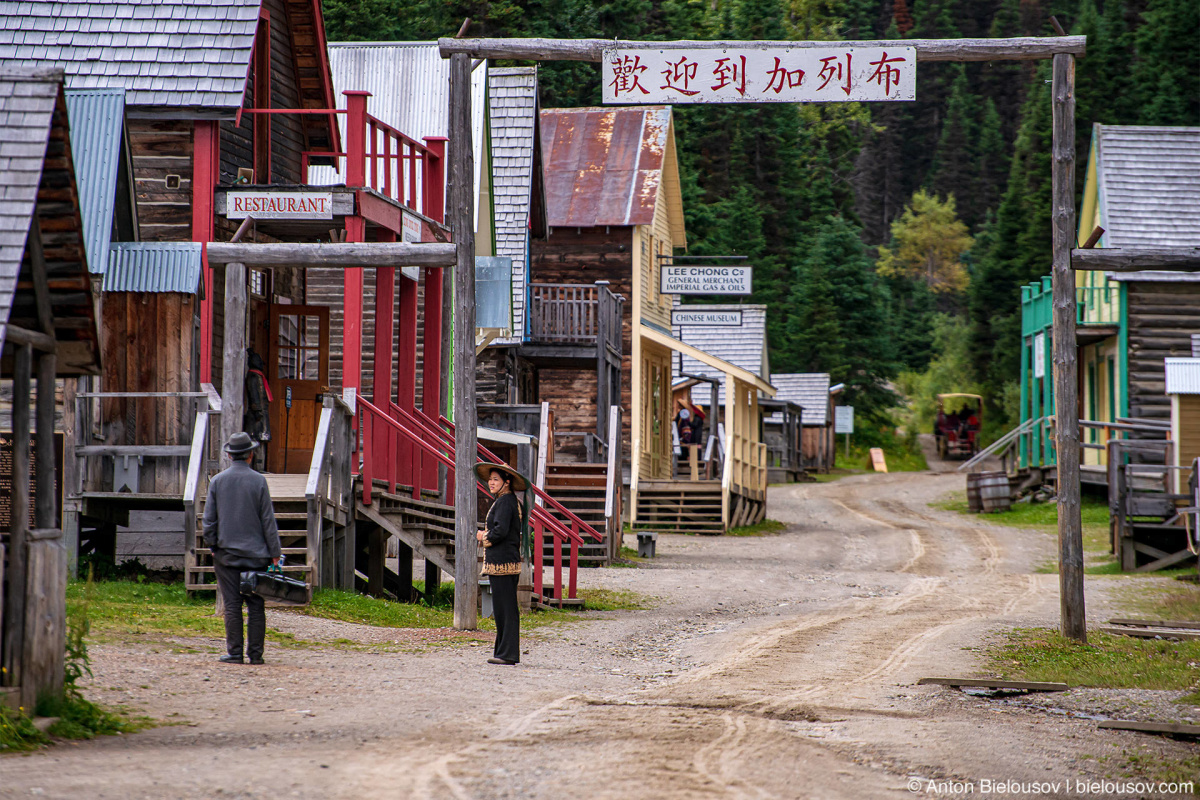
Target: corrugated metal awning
(96, 118)
(154, 267)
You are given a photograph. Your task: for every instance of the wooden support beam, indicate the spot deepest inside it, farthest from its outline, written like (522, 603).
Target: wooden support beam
(989, 683)
(1023, 48)
(27, 338)
(46, 510)
(348, 254)
(1066, 368)
(1137, 259)
(462, 225)
(15, 578)
(233, 376)
(41, 287)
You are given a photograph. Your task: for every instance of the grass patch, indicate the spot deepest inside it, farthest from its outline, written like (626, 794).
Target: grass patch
(1110, 662)
(350, 607)
(17, 733)
(628, 558)
(901, 456)
(834, 474)
(768, 527)
(615, 600)
(131, 608)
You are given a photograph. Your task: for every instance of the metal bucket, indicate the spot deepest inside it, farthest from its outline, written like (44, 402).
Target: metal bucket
(994, 491)
(974, 504)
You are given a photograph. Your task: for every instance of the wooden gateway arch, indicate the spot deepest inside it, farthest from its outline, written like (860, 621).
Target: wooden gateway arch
(1062, 50)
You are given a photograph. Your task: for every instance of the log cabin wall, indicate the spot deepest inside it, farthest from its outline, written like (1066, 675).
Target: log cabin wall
(586, 255)
(162, 174)
(1162, 317)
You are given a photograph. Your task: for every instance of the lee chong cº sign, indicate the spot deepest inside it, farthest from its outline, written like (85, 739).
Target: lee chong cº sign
(713, 73)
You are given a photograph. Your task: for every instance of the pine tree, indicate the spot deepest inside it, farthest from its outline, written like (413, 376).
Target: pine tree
(954, 167)
(1166, 76)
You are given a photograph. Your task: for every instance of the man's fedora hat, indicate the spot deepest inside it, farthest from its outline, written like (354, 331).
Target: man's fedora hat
(239, 444)
(484, 471)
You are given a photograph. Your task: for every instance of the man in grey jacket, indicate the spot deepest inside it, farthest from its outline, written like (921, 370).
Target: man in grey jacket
(239, 526)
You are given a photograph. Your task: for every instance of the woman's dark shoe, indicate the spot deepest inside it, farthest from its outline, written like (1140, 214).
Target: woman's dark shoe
(501, 661)
(232, 660)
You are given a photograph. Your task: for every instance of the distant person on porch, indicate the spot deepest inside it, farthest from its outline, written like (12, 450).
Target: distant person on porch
(239, 526)
(501, 539)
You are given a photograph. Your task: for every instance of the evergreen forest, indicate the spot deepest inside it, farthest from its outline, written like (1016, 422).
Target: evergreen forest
(889, 240)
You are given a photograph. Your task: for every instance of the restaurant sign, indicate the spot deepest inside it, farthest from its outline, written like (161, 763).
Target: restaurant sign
(718, 73)
(280, 205)
(705, 280)
(718, 319)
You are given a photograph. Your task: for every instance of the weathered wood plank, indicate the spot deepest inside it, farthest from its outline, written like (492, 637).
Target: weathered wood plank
(1137, 259)
(1020, 48)
(234, 357)
(1149, 633)
(990, 683)
(45, 617)
(461, 212)
(1066, 388)
(348, 254)
(1155, 623)
(1177, 728)
(14, 619)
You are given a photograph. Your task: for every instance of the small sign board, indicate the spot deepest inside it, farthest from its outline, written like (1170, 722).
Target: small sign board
(410, 232)
(877, 459)
(704, 72)
(843, 419)
(712, 319)
(684, 279)
(1039, 355)
(279, 205)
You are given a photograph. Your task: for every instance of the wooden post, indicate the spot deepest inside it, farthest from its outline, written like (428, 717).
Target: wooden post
(603, 391)
(406, 384)
(15, 580)
(70, 474)
(234, 359)
(1070, 529)
(46, 509)
(462, 201)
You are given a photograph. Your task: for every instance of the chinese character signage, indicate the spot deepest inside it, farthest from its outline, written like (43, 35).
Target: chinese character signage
(748, 74)
(705, 280)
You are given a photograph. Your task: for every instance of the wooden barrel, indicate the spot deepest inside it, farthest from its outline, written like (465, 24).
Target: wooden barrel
(973, 503)
(994, 491)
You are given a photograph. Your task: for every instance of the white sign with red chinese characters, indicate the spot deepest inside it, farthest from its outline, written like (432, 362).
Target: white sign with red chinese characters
(721, 74)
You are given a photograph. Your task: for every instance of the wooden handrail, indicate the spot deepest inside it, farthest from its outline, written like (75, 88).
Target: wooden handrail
(317, 468)
(197, 458)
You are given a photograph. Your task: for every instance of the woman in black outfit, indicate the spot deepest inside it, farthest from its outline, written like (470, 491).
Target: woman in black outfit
(501, 540)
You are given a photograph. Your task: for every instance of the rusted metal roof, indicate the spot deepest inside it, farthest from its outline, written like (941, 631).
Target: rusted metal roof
(604, 166)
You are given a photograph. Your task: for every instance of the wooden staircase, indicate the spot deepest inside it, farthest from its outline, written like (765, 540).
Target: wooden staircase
(581, 488)
(291, 516)
(680, 507)
(425, 526)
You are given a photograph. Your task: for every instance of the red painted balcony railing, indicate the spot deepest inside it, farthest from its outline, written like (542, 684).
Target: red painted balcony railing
(379, 157)
(385, 437)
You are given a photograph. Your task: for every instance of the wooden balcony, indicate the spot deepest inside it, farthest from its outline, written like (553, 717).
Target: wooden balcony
(574, 319)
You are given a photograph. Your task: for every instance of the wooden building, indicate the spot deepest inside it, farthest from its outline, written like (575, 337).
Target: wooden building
(812, 392)
(1183, 391)
(47, 332)
(1142, 188)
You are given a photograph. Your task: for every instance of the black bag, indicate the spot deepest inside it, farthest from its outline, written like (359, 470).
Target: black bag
(275, 586)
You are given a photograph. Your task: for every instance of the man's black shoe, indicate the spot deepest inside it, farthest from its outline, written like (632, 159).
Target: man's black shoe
(501, 661)
(257, 661)
(232, 660)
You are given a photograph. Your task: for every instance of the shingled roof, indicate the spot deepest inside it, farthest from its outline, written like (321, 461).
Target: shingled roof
(606, 166)
(1149, 185)
(744, 346)
(809, 390)
(512, 109)
(37, 187)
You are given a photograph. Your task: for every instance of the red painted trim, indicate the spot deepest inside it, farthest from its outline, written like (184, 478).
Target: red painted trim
(352, 319)
(381, 385)
(433, 203)
(406, 386)
(356, 138)
(206, 162)
(335, 138)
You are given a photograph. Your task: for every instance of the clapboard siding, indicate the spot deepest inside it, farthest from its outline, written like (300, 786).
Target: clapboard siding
(1162, 318)
(161, 148)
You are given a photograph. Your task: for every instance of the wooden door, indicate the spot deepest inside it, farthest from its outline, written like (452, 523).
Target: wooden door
(299, 362)
(656, 398)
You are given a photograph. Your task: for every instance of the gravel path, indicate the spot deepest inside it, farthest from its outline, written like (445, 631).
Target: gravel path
(773, 667)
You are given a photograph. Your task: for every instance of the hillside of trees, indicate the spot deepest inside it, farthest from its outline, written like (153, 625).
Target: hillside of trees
(889, 240)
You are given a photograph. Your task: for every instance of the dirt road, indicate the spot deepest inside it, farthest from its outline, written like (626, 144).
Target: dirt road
(774, 667)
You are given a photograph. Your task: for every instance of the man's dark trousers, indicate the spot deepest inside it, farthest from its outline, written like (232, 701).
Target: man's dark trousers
(229, 581)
